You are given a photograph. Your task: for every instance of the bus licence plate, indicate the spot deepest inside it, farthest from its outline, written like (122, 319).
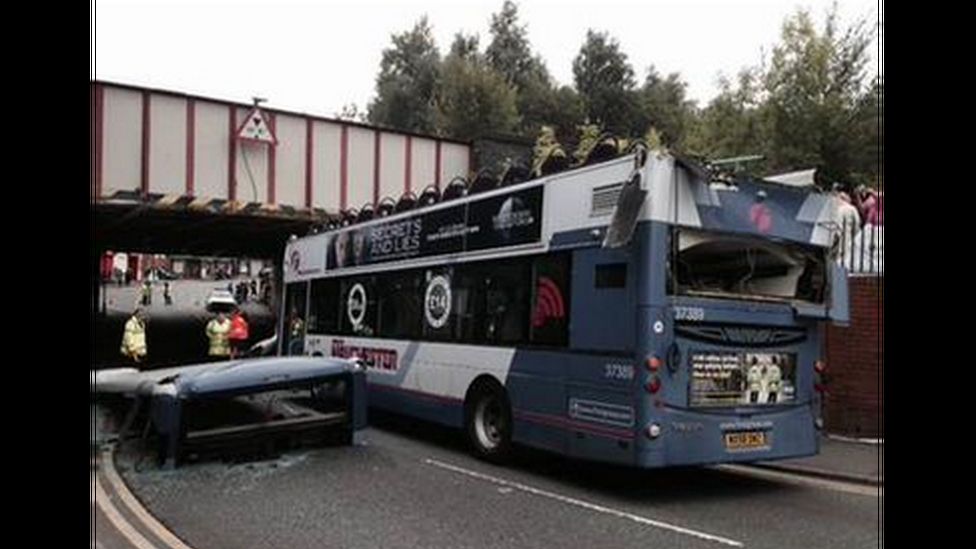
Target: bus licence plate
(745, 440)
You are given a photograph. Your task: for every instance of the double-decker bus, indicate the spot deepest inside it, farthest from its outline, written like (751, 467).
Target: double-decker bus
(633, 311)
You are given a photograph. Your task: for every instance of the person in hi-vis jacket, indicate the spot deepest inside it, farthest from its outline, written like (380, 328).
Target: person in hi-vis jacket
(134, 336)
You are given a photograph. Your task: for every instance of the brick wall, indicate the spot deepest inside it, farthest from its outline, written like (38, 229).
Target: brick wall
(855, 363)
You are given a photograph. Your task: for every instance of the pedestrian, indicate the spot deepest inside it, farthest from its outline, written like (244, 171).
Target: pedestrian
(296, 333)
(218, 330)
(238, 334)
(849, 220)
(167, 296)
(146, 293)
(134, 336)
(254, 290)
(871, 205)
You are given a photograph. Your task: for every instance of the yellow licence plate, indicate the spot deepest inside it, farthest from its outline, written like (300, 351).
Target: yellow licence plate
(745, 440)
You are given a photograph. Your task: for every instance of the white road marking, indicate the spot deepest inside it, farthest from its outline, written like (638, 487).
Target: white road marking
(584, 504)
(136, 508)
(118, 520)
(803, 480)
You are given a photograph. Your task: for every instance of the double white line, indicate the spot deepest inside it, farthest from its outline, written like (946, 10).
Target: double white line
(104, 502)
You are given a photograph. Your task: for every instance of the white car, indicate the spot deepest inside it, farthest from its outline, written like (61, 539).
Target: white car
(221, 301)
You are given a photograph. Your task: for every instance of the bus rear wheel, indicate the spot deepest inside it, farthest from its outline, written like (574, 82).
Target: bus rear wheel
(488, 420)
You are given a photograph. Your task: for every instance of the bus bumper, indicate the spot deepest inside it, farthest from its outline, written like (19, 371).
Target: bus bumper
(693, 437)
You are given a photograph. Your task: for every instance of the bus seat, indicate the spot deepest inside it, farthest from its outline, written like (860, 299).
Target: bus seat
(514, 175)
(406, 203)
(385, 207)
(482, 182)
(457, 188)
(430, 195)
(366, 213)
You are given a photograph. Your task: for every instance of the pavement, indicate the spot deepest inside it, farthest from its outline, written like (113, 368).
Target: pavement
(840, 458)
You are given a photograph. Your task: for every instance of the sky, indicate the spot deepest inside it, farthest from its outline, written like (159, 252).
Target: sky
(317, 56)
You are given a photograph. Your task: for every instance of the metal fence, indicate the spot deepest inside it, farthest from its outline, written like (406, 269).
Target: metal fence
(860, 249)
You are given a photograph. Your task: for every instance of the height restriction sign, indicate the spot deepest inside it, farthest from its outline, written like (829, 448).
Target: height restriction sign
(256, 128)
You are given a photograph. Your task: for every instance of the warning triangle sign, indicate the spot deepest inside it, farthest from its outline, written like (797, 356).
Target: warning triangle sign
(256, 128)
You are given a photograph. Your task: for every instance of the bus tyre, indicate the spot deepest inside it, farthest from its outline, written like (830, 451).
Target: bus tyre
(488, 422)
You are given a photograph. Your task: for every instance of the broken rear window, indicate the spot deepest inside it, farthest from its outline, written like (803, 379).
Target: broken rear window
(743, 267)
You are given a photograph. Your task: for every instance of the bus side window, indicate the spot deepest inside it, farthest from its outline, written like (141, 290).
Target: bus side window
(401, 304)
(506, 302)
(323, 314)
(358, 306)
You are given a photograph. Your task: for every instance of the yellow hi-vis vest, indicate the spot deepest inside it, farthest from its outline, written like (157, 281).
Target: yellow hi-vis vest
(134, 338)
(217, 332)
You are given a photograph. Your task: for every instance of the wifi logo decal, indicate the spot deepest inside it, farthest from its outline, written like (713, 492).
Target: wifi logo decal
(549, 304)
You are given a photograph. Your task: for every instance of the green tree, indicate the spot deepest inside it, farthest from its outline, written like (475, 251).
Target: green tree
(408, 80)
(473, 99)
(664, 105)
(605, 82)
(871, 131)
(731, 124)
(510, 53)
(810, 106)
(814, 87)
(564, 111)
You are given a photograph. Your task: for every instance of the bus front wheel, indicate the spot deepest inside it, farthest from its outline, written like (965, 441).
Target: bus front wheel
(488, 421)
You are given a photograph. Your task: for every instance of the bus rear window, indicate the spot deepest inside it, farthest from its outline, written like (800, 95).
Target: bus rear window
(743, 267)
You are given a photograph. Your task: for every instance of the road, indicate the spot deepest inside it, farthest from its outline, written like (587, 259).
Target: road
(413, 486)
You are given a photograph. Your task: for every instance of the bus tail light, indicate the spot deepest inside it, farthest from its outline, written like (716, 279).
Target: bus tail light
(820, 388)
(820, 366)
(653, 363)
(654, 385)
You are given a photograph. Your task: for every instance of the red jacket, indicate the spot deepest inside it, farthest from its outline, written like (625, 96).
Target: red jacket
(238, 328)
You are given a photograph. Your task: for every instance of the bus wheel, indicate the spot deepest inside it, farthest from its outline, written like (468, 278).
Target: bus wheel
(488, 419)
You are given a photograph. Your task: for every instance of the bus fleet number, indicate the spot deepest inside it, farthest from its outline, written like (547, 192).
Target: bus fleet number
(689, 313)
(619, 371)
